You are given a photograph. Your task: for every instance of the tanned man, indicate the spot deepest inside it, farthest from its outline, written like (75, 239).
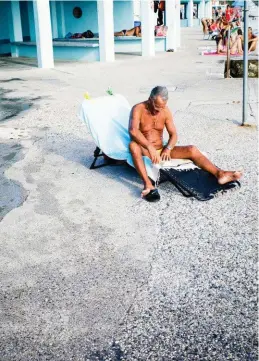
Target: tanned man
(147, 122)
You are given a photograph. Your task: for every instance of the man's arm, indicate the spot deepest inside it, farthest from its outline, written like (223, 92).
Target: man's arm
(170, 127)
(134, 131)
(253, 40)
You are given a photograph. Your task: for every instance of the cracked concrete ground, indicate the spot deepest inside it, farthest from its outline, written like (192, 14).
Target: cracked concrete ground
(89, 271)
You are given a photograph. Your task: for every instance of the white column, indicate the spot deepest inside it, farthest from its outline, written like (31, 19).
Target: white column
(15, 22)
(43, 33)
(54, 23)
(178, 23)
(106, 30)
(147, 28)
(136, 10)
(170, 16)
(202, 9)
(61, 19)
(209, 9)
(190, 13)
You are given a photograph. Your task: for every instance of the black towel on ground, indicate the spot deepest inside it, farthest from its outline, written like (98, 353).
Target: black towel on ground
(196, 183)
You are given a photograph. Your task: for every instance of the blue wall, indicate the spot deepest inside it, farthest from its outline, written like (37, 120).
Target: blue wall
(4, 17)
(123, 16)
(24, 18)
(88, 20)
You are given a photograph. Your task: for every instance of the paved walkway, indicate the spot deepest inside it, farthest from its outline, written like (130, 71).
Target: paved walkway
(89, 271)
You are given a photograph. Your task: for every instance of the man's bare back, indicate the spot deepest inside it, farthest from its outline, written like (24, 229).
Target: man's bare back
(147, 123)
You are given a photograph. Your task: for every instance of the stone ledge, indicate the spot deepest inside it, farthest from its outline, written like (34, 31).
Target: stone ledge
(236, 68)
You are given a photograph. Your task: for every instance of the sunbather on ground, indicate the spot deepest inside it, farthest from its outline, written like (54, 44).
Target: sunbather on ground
(220, 41)
(147, 123)
(236, 48)
(136, 31)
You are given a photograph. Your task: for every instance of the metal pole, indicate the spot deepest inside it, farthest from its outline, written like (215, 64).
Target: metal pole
(245, 65)
(228, 54)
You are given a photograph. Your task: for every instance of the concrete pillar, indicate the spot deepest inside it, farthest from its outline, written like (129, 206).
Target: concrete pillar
(201, 9)
(15, 26)
(106, 30)
(190, 13)
(147, 28)
(178, 23)
(209, 9)
(54, 23)
(170, 17)
(15, 22)
(61, 19)
(43, 34)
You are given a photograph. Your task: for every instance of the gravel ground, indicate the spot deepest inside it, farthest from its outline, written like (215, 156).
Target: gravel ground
(89, 271)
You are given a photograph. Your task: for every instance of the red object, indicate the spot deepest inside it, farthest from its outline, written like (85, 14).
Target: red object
(213, 27)
(161, 5)
(228, 14)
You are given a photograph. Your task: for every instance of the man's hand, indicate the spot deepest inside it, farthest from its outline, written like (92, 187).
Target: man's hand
(166, 155)
(155, 157)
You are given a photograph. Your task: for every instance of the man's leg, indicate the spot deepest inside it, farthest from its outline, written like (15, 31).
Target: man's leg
(136, 152)
(191, 152)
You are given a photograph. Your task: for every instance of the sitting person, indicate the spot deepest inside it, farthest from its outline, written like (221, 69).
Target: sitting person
(214, 29)
(213, 25)
(147, 122)
(252, 40)
(136, 31)
(220, 42)
(204, 26)
(236, 48)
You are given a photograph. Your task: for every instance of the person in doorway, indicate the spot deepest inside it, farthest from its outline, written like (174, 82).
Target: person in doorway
(148, 120)
(136, 31)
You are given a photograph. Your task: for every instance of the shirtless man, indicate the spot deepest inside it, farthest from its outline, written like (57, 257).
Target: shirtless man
(136, 31)
(147, 122)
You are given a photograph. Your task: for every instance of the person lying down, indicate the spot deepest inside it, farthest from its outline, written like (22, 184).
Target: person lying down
(147, 122)
(136, 31)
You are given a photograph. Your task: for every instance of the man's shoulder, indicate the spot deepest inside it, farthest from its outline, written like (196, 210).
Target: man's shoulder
(167, 110)
(139, 106)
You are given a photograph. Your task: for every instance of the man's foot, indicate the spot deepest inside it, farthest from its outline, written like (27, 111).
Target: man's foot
(150, 195)
(226, 176)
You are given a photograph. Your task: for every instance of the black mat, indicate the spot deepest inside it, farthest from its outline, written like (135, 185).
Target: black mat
(196, 183)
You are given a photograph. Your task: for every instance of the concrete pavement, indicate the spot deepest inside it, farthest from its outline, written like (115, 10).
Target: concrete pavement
(89, 271)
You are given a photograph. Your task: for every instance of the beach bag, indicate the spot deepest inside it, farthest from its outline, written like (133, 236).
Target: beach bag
(161, 30)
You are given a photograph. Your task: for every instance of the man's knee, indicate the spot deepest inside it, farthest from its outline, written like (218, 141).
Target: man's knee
(135, 148)
(193, 151)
